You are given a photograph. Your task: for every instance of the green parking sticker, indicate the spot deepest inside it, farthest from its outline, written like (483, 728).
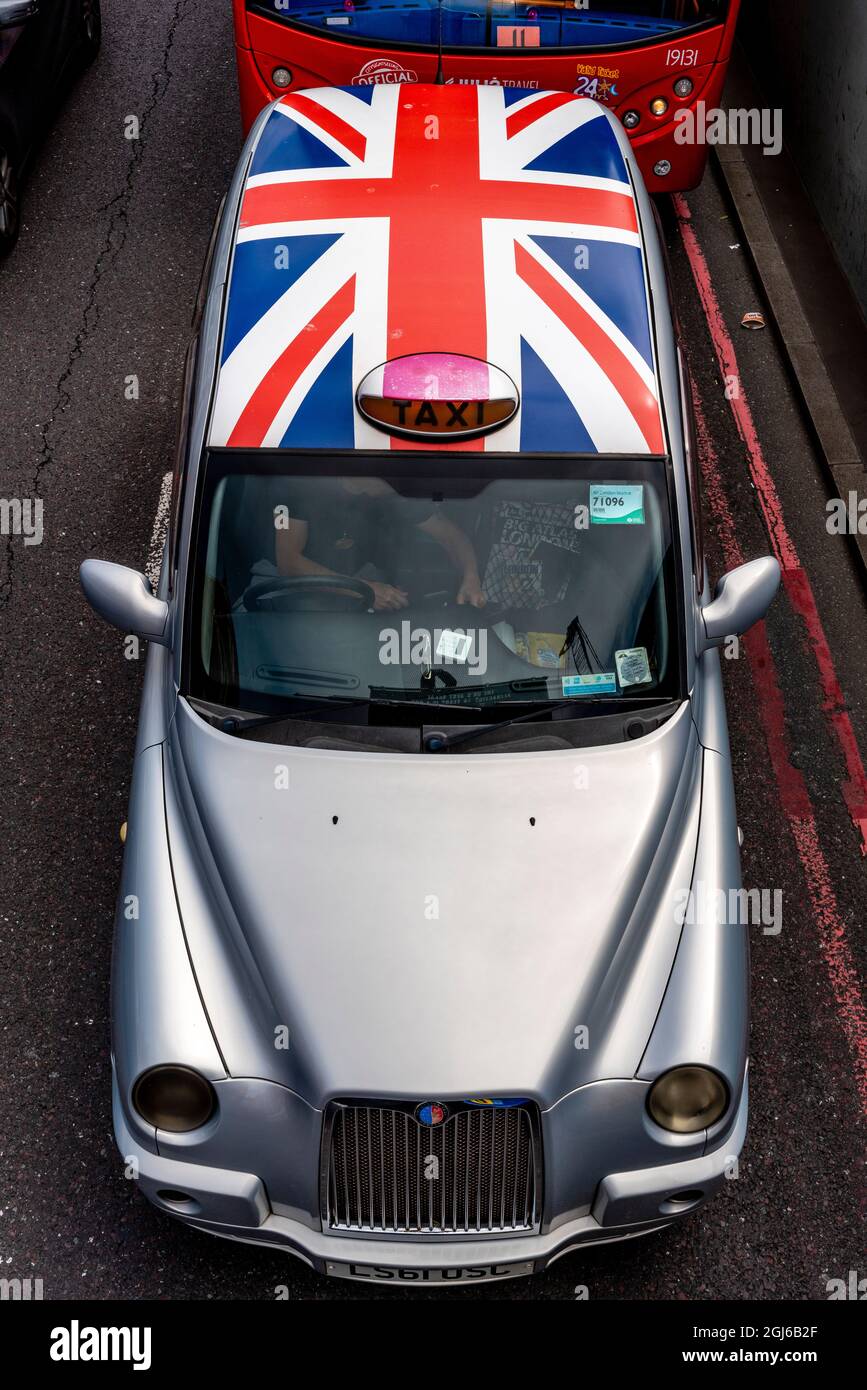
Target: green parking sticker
(617, 504)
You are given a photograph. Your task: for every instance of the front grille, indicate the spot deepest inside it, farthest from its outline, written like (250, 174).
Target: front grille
(475, 1172)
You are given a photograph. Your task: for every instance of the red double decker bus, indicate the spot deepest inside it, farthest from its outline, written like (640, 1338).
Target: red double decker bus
(646, 59)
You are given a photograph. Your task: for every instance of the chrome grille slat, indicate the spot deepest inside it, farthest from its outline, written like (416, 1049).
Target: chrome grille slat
(406, 1138)
(531, 1199)
(486, 1171)
(394, 1170)
(382, 1180)
(370, 1169)
(503, 1163)
(515, 1183)
(418, 1169)
(498, 1115)
(478, 1162)
(357, 1163)
(455, 1179)
(443, 1183)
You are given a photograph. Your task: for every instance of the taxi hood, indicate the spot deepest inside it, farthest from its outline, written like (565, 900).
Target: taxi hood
(405, 925)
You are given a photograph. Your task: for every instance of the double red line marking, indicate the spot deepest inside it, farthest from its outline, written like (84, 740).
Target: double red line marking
(794, 794)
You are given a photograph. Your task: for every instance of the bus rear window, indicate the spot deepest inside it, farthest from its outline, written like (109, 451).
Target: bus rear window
(498, 24)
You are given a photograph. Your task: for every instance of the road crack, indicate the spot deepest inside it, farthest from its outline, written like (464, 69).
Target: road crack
(114, 241)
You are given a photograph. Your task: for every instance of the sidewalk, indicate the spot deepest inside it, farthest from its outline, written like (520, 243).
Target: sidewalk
(821, 327)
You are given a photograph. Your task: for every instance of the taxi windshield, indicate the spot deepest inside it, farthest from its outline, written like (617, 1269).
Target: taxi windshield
(498, 24)
(477, 579)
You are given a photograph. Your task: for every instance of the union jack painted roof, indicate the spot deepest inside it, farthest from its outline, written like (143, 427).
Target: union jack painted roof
(381, 221)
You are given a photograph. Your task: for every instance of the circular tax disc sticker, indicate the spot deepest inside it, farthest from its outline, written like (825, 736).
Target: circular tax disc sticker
(633, 667)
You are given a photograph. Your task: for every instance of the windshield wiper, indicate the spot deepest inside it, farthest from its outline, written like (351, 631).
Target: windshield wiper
(441, 742)
(231, 723)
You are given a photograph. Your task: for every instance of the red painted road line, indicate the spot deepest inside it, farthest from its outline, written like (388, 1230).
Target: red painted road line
(794, 796)
(797, 583)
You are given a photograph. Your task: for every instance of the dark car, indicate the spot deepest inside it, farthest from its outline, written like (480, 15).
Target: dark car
(43, 43)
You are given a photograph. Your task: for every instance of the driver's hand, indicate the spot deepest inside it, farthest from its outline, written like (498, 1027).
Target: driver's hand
(471, 592)
(388, 597)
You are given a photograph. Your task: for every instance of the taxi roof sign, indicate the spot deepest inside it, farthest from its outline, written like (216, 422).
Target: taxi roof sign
(437, 396)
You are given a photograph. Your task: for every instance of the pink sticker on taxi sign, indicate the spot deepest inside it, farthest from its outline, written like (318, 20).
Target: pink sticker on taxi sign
(437, 395)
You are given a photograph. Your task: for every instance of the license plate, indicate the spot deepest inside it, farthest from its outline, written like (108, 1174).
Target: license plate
(411, 1274)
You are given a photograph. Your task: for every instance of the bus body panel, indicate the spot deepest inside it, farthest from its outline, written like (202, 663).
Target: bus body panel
(621, 78)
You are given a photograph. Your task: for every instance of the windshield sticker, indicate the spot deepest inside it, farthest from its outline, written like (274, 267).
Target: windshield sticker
(599, 683)
(617, 504)
(454, 646)
(633, 666)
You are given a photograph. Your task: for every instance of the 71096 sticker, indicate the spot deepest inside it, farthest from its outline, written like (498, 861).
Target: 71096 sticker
(616, 504)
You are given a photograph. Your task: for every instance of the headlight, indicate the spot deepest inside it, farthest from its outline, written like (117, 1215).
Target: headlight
(174, 1098)
(658, 106)
(687, 1099)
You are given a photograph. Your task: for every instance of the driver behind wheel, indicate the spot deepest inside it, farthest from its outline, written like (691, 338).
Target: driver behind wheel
(350, 528)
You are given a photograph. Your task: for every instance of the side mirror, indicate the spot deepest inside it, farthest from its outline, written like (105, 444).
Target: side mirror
(743, 597)
(123, 597)
(15, 12)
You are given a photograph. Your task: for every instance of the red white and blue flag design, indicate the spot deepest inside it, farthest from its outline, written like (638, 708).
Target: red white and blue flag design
(382, 221)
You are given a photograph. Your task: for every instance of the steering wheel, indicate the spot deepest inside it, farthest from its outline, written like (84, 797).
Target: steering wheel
(320, 593)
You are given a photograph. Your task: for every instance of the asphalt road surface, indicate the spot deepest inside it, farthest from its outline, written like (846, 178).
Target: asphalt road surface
(100, 289)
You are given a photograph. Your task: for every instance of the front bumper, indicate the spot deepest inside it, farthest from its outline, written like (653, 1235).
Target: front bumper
(235, 1205)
